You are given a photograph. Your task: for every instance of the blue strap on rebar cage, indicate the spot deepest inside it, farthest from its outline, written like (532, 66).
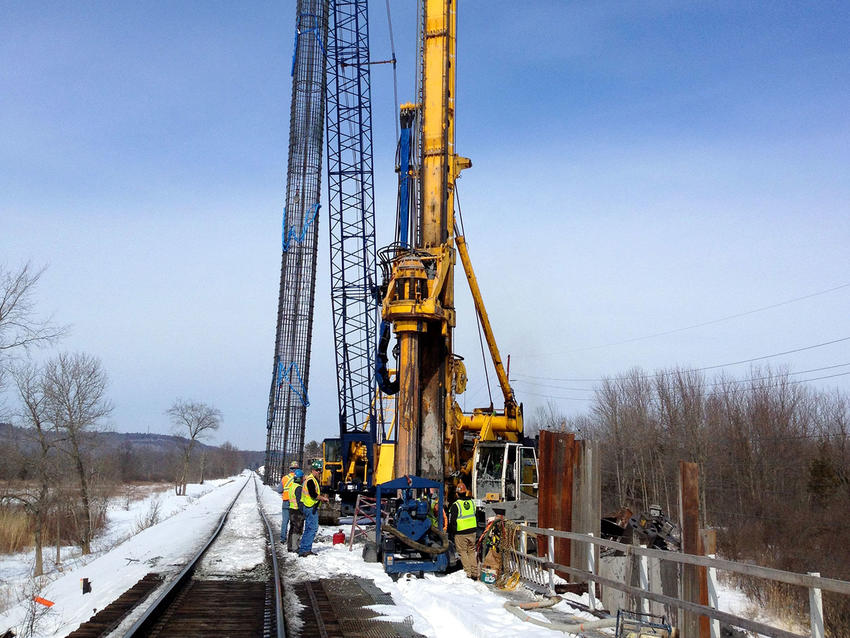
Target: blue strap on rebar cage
(309, 217)
(286, 375)
(314, 30)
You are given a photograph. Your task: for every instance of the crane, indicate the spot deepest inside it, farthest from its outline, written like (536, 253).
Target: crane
(352, 240)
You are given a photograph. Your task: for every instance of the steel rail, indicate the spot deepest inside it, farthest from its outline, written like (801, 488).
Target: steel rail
(278, 598)
(151, 615)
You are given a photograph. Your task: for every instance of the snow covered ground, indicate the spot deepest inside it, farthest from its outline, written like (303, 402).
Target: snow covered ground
(185, 524)
(436, 605)
(451, 605)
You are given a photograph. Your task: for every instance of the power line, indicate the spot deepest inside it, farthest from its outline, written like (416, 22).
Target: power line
(712, 384)
(548, 396)
(546, 385)
(796, 382)
(713, 367)
(696, 325)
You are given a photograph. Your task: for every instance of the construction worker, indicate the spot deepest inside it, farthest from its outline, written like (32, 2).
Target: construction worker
(311, 494)
(463, 530)
(286, 481)
(296, 518)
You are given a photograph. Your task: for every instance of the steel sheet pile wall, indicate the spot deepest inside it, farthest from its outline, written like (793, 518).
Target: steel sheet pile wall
(555, 496)
(351, 215)
(288, 397)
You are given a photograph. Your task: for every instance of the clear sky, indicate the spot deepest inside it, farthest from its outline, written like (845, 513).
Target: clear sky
(638, 168)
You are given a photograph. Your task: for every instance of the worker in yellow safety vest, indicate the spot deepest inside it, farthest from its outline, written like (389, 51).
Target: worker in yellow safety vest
(311, 494)
(286, 482)
(463, 530)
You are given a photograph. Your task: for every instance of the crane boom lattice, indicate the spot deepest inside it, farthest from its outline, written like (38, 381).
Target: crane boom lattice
(352, 218)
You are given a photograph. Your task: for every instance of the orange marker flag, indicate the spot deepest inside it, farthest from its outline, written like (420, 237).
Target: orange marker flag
(43, 601)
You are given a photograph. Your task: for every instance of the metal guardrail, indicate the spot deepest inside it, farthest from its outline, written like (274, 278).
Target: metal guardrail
(531, 574)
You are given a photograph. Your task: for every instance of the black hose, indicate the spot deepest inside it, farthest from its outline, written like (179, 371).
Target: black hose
(420, 547)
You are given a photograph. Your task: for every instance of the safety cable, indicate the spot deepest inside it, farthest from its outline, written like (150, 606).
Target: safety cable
(477, 318)
(395, 72)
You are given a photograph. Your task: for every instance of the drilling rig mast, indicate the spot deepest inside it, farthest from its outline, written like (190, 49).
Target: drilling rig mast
(435, 438)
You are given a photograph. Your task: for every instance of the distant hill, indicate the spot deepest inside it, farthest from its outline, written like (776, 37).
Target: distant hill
(130, 456)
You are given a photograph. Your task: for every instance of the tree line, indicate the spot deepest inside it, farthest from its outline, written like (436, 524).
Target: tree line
(55, 467)
(774, 461)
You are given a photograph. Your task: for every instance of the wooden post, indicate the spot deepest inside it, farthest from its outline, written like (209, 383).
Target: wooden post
(708, 545)
(816, 609)
(713, 598)
(643, 572)
(689, 517)
(551, 569)
(591, 567)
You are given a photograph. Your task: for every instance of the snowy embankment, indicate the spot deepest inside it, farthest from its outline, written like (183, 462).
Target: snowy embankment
(121, 557)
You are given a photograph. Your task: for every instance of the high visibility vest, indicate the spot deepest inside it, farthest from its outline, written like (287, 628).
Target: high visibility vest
(305, 493)
(465, 515)
(293, 500)
(286, 481)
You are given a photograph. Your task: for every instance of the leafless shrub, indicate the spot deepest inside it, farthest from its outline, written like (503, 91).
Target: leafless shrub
(36, 612)
(150, 517)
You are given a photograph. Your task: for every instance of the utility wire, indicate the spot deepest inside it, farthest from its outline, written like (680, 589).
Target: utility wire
(712, 384)
(795, 382)
(714, 367)
(698, 325)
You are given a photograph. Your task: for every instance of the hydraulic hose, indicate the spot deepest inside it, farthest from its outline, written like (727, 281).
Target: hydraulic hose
(540, 604)
(420, 547)
(571, 628)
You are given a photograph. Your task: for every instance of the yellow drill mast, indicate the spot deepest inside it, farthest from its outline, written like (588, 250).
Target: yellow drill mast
(419, 301)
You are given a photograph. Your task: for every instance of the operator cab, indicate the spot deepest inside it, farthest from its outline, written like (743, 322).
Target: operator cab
(504, 479)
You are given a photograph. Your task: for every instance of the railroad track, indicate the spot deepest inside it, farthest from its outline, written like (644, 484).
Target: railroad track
(189, 606)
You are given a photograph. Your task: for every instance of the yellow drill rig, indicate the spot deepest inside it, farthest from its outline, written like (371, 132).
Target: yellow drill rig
(435, 438)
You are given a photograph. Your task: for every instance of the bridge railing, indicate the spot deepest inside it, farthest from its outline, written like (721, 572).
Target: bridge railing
(538, 574)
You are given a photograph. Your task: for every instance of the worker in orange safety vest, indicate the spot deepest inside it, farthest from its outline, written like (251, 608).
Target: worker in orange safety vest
(287, 481)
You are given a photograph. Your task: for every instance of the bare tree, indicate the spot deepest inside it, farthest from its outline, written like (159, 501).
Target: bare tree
(20, 326)
(547, 417)
(193, 420)
(34, 413)
(75, 390)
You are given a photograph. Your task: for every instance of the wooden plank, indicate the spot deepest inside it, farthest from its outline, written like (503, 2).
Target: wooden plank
(694, 608)
(768, 573)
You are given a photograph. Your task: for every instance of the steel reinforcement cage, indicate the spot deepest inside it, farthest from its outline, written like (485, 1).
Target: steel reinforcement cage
(351, 218)
(288, 396)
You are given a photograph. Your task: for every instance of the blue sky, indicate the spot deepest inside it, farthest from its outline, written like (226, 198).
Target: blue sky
(638, 168)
